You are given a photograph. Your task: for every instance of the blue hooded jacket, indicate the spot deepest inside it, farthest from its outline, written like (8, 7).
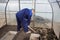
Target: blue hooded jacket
(25, 14)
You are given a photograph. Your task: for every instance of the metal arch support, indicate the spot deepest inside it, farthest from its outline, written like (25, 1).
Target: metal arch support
(19, 4)
(5, 12)
(58, 3)
(52, 14)
(34, 7)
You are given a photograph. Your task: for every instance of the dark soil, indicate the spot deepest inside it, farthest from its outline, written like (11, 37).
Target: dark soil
(19, 36)
(46, 34)
(6, 28)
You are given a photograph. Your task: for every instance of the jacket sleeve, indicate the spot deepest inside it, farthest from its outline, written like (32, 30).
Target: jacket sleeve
(29, 19)
(29, 16)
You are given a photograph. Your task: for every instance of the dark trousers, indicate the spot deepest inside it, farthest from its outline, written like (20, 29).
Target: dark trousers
(22, 23)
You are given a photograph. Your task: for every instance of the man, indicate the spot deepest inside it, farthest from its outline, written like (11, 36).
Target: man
(23, 19)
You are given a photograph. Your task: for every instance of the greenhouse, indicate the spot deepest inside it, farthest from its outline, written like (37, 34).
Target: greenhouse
(44, 24)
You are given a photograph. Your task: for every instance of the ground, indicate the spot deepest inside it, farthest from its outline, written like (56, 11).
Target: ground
(5, 29)
(44, 32)
(20, 35)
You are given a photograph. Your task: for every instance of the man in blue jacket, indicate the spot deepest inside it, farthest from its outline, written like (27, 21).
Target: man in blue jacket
(23, 18)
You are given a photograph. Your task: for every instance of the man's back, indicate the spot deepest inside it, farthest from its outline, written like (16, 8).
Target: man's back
(24, 13)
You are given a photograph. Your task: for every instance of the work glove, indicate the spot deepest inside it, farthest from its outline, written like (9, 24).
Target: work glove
(28, 26)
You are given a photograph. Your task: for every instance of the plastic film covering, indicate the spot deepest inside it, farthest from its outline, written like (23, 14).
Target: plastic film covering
(2, 13)
(11, 10)
(13, 7)
(43, 15)
(56, 18)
